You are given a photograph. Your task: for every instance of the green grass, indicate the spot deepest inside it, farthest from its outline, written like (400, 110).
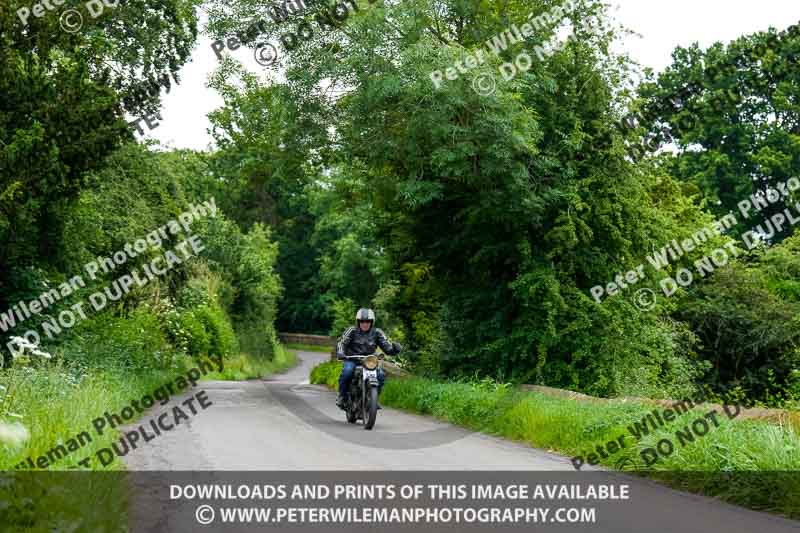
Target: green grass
(309, 347)
(57, 401)
(248, 367)
(746, 462)
(326, 373)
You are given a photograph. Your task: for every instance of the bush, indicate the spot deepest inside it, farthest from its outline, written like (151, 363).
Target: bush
(748, 319)
(344, 312)
(326, 373)
(198, 340)
(134, 341)
(222, 339)
(195, 293)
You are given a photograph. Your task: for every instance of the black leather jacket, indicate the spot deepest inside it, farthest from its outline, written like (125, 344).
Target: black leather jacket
(357, 342)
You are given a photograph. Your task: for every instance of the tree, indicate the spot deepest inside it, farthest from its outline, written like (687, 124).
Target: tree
(498, 212)
(738, 125)
(747, 319)
(60, 115)
(270, 149)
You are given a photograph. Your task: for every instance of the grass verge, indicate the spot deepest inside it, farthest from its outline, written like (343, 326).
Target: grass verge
(309, 347)
(747, 462)
(326, 373)
(57, 402)
(247, 367)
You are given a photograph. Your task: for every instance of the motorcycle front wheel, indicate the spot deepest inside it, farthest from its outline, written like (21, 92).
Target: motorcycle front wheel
(371, 408)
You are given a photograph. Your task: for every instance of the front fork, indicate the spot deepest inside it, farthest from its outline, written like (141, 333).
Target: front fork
(370, 378)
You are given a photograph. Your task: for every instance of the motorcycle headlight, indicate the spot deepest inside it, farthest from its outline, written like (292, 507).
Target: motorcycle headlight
(371, 362)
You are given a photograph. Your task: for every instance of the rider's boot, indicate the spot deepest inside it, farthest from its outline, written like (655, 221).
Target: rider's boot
(340, 401)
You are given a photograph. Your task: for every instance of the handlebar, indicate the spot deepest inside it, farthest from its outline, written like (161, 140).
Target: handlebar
(381, 356)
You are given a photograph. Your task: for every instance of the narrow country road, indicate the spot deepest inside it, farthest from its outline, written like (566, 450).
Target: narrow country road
(282, 423)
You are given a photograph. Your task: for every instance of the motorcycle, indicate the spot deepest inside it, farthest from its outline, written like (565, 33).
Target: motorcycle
(361, 399)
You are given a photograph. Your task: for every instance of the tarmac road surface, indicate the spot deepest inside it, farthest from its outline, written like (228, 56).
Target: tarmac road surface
(282, 423)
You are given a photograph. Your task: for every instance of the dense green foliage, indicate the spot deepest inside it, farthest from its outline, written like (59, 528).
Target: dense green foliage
(747, 318)
(477, 224)
(220, 303)
(60, 114)
(263, 166)
(74, 189)
(194, 307)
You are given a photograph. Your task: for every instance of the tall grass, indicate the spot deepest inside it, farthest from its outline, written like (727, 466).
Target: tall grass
(246, 366)
(747, 462)
(326, 373)
(309, 347)
(59, 400)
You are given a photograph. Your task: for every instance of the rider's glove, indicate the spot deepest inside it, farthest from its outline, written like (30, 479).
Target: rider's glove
(397, 347)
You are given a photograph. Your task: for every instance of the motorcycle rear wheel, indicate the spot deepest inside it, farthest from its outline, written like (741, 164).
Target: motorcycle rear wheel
(352, 407)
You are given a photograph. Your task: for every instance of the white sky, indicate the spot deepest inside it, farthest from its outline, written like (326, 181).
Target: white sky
(663, 25)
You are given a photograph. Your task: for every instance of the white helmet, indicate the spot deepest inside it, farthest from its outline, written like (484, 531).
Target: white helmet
(365, 314)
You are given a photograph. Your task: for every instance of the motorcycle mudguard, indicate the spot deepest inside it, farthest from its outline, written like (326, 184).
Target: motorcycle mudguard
(371, 377)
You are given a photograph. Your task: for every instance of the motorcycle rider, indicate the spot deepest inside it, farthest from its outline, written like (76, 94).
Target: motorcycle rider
(363, 339)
